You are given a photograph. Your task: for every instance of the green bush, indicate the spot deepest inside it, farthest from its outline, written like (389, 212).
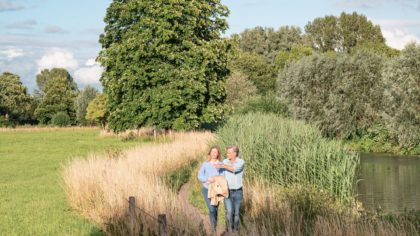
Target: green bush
(60, 119)
(288, 152)
(6, 123)
(339, 92)
(264, 104)
(402, 97)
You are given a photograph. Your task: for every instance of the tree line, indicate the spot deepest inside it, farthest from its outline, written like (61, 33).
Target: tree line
(167, 65)
(56, 101)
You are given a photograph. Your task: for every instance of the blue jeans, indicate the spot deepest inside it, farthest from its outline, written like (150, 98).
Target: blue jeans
(232, 206)
(212, 209)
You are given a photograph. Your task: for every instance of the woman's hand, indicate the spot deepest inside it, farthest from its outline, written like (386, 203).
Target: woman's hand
(218, 166)
(210, 180)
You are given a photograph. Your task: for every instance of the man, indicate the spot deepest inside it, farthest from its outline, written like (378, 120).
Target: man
(233, 171)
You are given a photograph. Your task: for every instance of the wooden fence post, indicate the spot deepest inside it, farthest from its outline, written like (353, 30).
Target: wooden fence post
(162, 225)
(132, 224)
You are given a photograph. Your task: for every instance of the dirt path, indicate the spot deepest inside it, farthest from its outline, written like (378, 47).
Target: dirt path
(194, 212)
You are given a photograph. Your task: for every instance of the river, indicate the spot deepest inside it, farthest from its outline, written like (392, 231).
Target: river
(391, 183)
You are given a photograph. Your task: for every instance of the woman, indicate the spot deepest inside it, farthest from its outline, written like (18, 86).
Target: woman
(205, 174)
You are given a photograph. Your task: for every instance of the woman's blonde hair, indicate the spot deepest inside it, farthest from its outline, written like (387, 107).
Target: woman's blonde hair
(219, 155)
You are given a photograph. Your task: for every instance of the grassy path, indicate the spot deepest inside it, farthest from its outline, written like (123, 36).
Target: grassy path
(32, 200)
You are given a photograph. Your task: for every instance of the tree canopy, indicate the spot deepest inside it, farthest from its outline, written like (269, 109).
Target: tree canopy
(82, 101)
(268, 42)
(256, 69)
(165, 63)
(59, 93)
(342, 93)
(46, 75)
(331, 33)
(14, 100)
(402, 96)
(96, 111)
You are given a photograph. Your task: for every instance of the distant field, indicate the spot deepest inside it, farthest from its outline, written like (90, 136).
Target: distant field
(32, 199)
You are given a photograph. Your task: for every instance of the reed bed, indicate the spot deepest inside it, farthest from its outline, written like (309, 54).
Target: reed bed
(287, 152)
(98, 187)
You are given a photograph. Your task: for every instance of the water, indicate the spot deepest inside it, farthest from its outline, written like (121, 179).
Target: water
(391, 183)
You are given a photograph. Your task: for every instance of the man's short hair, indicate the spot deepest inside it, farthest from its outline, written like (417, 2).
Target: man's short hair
(234, 148)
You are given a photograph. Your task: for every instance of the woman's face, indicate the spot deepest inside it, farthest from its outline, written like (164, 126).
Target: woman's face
(214, 153)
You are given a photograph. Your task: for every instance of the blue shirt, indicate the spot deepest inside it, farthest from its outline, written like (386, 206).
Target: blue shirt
(234, 179)
(206, 171)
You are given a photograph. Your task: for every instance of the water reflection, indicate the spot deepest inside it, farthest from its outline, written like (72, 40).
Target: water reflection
(391, 183)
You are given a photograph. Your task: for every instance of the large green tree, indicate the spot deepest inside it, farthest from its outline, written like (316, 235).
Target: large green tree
(331, 33)
(82, 101)
(14, 100)
(165, 63)
(59, 94)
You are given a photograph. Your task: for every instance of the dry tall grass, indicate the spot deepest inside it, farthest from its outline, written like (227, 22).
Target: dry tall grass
(270, 210)
(98, 187)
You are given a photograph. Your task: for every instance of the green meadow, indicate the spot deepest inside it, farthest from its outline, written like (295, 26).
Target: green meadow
(32, 199)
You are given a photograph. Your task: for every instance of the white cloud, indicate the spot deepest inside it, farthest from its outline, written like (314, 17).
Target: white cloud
(397, 23)
(28, 24)
(12, 53)
(53, 29)
(399, 32)
(6, 5)
(398, 38)
(91, 62)
(89, 74)
(59, 58)
(363, 4)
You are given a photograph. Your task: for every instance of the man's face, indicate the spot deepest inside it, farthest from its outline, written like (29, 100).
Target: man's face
(231, 154)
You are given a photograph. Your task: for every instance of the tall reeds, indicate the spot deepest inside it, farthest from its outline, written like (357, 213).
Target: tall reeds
(98, 187)
(289, 152)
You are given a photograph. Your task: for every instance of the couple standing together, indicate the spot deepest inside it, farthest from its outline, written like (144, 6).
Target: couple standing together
(232, 169)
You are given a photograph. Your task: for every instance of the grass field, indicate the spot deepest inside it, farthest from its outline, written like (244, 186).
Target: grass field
(32, 198)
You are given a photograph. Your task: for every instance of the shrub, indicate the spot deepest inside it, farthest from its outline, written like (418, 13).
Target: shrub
(402, 96)
(60, 119)
(339, 92)
(264, 104)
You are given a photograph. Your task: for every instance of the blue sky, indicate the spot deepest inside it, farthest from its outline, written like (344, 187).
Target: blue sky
(38, 34)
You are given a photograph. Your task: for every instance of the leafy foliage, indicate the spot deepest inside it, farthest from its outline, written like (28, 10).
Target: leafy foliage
(268, 103)
(285, 57)
(331, 33)
(82, 101)
(268, 42)
(14, 100)
(165, 63)
(238, 89)
(257, 69)
(96, 111)
(402, 94)
(46, 75)
(59, 95)
(60, 119)
(341, 93)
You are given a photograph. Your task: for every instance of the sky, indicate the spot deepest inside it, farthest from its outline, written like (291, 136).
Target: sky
(43, 34)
